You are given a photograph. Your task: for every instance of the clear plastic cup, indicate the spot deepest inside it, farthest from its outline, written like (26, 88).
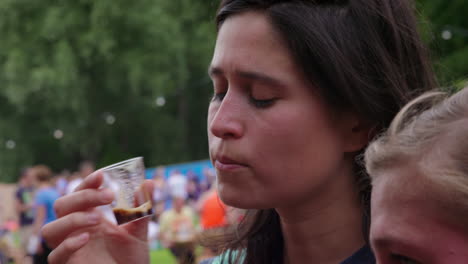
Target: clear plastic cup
(125, 179)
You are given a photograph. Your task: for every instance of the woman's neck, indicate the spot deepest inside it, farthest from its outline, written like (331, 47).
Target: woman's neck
(327, 230)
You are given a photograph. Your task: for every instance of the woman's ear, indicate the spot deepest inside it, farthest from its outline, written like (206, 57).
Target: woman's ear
(357, 133)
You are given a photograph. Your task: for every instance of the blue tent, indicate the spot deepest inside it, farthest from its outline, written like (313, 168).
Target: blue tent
(195, 168)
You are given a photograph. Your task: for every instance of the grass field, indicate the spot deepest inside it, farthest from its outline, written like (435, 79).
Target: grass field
(162, 256)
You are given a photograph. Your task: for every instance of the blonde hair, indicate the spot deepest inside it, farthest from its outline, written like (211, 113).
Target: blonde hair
(431, 134)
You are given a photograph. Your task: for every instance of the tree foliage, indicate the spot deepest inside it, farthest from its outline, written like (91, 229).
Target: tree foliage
(73, 65)
(445, 27)
(93, 70)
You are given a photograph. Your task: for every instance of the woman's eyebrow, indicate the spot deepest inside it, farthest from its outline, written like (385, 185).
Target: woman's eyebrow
(247, 74)
(260, 77)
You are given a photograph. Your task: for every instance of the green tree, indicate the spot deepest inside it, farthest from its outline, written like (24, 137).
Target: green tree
(92, 71)
(446, 31)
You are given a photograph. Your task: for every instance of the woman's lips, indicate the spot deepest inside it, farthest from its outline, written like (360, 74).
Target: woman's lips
(227, 164)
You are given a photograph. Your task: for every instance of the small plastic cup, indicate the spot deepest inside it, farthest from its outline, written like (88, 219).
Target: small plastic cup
(132, 201)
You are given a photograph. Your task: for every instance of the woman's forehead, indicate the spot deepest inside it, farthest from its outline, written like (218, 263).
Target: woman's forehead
(405, 195)
(246, 44)
(249, 35)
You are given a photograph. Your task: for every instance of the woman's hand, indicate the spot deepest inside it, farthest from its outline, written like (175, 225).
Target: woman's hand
(81, 234)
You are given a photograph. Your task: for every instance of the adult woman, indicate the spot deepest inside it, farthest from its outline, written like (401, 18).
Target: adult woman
(300, 87)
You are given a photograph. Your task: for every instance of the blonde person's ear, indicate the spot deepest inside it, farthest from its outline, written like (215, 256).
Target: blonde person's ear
(357, 133)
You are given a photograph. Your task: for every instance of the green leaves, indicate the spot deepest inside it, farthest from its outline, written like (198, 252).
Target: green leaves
(75, 66)
(93, 70)
(446, 32)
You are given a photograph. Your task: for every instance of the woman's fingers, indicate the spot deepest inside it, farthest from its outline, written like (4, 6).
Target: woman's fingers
(148, 186)
(139, 229)
(56, 232)
(82, 200)
(64, 251)
(92, 181)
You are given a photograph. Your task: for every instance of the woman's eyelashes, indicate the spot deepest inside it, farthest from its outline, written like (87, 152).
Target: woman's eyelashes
(264, 103)
(400, 259)
(259, 103)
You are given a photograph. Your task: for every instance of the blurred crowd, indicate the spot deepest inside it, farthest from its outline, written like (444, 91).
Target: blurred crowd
(186, 207)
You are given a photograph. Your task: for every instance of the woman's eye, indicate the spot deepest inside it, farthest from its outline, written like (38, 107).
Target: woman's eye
(262, 103)
(400, 259)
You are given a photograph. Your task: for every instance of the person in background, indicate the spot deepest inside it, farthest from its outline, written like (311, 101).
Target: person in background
(159, 192)
(3, 256)
(177, 185)
(178, 232)
(61, 182)
(6, 255)
(86, 167)
(25, 206)
(44, 199)
(213, 218)
(8, 246)
(213, 212)
(193, 189)
(209, 178)
(419, 171)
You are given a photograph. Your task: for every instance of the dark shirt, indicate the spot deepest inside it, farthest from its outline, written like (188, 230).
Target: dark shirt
(25, 196)
(362, 256)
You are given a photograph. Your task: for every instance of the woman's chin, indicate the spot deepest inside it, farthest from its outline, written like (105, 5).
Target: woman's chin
(243, 200)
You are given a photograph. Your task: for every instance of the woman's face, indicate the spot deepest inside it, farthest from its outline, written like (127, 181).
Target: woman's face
(408, 226)
(272, 139)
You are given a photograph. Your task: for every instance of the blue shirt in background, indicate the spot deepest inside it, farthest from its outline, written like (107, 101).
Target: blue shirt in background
(46, 197)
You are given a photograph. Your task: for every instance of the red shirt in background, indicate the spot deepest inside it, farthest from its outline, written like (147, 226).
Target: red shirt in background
(213, 212)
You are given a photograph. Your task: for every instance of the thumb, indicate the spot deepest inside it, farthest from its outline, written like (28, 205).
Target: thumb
(138, 228)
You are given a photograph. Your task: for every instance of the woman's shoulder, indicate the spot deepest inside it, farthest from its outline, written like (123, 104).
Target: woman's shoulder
(362, 256)
(223, 258)
(207, 261)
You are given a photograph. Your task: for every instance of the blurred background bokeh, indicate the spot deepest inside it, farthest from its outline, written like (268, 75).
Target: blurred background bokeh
(111, 79)
(103, 81)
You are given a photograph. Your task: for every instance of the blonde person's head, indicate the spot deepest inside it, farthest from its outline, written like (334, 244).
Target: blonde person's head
(429, 135)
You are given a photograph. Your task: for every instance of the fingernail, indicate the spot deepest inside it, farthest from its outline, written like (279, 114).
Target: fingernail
(107, 195)
(90, 178)
(93, 218)
(83, 238)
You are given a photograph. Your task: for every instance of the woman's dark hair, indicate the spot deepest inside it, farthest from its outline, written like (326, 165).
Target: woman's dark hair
(363, 56)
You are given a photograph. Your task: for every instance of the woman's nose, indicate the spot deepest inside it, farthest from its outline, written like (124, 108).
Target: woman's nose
(226, 119)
